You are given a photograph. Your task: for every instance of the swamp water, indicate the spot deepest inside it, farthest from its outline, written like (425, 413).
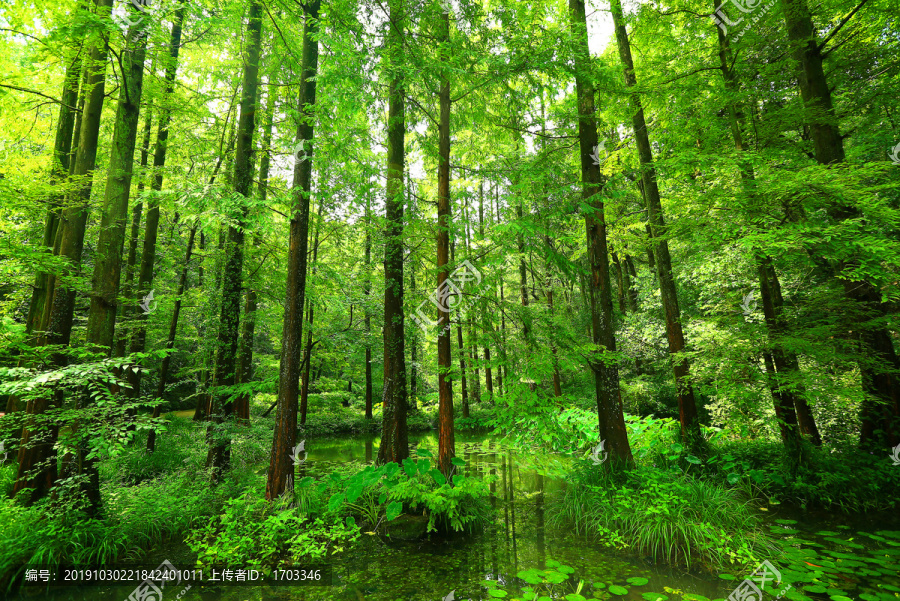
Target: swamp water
(837, 561)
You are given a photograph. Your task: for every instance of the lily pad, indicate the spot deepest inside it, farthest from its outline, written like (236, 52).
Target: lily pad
(654, 597)
(615, 589)
(727, 577)
(637, 581)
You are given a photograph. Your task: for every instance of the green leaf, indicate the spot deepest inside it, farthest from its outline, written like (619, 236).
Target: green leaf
(424, 453)
(394, 509)
(335, 501)
(615, 589)
(438, 476)
(637, 581)
(457, 461)
(692, 459)
(497, 593)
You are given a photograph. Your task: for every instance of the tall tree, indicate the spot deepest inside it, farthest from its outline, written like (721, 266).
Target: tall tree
(606, 374)
(394, 437)
(248, 325)
(687, 406)
(280, 480)
(37, 465)
(367, 290)
(880, 411)
(446, 435)
(782, 365)
(221, 408)
(151, 228)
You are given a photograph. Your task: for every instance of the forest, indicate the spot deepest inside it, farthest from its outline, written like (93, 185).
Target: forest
(408, 300)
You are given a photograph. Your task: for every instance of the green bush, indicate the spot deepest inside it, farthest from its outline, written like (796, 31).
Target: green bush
(253, 531)
(672, 518)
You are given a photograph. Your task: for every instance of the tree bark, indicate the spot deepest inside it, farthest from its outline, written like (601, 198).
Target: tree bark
(36, 464)
(446, 434)
(307, 353)
(611, 419)
(134, 237)
(280, 475)
(880, 411)
(221, 409)
(248, 326)
(151, 228)
(367, 290)
(687, 407)
(394, 436)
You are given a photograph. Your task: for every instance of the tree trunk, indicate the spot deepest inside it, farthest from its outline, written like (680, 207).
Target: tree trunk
(136, 215)
(367, 290)
(307, 353)
(394, 435)
(221, 410)
(446, 434)
(36, 463)
(170, 342)
(151, 228)
(606, 375)
(687, 407)
(280, 475)
(880, 411)
(245, 361)
(781, 366)
(462, 368)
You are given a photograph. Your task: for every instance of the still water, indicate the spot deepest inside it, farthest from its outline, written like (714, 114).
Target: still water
(521, 536)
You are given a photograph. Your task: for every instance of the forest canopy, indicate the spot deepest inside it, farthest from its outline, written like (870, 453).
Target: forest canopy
(557, 221)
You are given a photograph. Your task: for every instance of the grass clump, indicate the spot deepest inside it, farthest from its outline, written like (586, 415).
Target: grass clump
(674, 519)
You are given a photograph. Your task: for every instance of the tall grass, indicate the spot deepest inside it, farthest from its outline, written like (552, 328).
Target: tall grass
(672, 519)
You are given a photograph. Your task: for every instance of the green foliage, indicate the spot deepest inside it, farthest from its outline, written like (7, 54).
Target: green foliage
(846, 479)
(380, 492)
(671, 518)
(253, 531)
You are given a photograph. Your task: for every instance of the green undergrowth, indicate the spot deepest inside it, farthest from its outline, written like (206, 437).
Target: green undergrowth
(147, 499)
(837, 477)
(670, 518)
(326, 416)
(326, 515)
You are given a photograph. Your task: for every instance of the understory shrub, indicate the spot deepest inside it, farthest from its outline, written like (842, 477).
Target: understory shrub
(327, 514)
(671, 518)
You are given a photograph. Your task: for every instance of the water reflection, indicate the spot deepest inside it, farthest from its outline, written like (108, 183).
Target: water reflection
(380, 568)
